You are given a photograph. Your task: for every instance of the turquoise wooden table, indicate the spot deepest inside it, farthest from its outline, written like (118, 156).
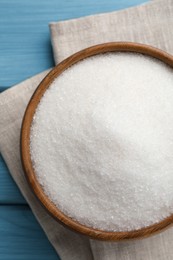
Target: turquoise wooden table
(25, 50)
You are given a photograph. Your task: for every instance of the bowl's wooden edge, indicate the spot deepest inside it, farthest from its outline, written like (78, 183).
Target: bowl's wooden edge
(25, 140)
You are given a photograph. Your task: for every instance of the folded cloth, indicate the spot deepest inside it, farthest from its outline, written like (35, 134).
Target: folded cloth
(150, 23)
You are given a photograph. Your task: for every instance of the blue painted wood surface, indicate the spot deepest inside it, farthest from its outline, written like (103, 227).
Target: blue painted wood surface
(25, 50)
(29, 241)
(25, 47)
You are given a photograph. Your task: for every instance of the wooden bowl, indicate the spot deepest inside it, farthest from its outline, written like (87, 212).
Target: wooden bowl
(25, 141)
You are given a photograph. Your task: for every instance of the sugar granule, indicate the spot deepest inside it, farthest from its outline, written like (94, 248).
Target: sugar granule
(101, 141)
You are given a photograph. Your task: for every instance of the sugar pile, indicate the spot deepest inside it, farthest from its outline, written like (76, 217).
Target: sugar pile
(102, 141)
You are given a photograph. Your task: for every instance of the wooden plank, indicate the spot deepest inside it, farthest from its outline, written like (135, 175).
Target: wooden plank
(21, 237)
(9, 192)
(25, 47)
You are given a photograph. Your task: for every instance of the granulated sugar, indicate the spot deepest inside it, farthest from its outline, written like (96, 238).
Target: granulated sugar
(102, 141)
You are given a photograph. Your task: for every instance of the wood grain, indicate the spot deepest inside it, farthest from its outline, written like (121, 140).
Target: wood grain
(25, 141)
(21, 238)
(25, 47)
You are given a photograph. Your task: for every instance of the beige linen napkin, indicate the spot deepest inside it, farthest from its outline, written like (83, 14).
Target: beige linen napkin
(150, 23)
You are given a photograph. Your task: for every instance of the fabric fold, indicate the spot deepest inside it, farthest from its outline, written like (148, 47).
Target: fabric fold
(150, 23)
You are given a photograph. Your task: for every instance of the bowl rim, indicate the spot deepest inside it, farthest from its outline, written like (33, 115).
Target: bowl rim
(25, 141)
